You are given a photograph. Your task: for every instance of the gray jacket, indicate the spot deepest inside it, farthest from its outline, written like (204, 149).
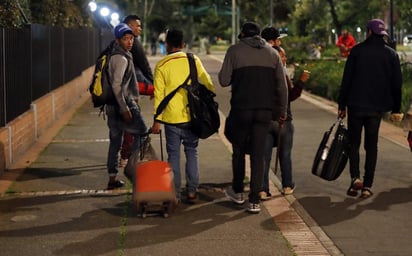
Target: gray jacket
(255, 72)
(123, 78)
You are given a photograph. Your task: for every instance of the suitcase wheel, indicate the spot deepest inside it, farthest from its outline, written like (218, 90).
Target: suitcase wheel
(143, 208)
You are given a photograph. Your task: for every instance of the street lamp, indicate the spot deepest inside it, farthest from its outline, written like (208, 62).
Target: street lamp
(359, 30)
(104, 12)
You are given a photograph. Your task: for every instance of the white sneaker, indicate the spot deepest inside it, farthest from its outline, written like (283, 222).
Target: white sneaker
(235, 197)
(253, 208)
(123, 162)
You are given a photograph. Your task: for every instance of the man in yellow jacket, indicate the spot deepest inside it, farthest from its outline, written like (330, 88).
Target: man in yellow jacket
(170, 72)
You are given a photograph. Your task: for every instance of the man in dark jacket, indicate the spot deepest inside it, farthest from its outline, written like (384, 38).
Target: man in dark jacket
(256, 75)
(371, 85)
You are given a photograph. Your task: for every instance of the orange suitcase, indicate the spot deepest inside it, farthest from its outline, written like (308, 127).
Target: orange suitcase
(153, 186)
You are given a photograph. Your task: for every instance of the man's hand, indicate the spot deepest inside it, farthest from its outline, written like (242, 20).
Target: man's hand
(341, 114)
(155, 128)
(396, 117)
(127, 116)
(282, 119)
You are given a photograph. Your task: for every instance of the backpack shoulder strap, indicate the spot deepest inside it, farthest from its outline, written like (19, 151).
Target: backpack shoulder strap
(192, 66)
(165, 101)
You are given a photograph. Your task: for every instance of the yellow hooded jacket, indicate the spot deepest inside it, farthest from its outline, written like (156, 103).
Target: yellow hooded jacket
(170, 72)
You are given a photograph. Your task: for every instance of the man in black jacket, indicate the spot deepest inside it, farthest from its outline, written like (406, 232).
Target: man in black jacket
(371, 86)
(256, 75)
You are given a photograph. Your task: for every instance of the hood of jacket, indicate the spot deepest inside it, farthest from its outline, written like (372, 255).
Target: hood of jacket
(254, 41)
(117, 49)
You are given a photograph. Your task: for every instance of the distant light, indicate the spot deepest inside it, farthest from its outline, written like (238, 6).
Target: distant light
(114, 16)
(358, 30)
(333, 30)
(92, 6)
(104, 11)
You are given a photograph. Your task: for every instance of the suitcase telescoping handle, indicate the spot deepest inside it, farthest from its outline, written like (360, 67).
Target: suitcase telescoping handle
(161, 142)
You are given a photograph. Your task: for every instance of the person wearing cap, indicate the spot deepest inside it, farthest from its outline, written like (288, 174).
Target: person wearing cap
(371, 85)
(143, 74)
(272, 36)
(125, 115)
(285, 128)
(170, 72)
(255, 73)
(345, 43)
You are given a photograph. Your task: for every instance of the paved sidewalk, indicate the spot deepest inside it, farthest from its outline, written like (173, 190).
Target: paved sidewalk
(58, 205)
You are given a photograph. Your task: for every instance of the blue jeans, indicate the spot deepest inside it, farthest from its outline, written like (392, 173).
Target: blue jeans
(175, 136)
(285, 153)
(370, 121)
(116, 127)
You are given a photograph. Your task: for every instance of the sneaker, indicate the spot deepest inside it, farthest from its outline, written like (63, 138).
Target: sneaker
(123, 162)
(354, 187)
(366, 192)
(115, 184)
(288, 190)
(235, 197)
(265, 195)
(191, 196)
(253, 208)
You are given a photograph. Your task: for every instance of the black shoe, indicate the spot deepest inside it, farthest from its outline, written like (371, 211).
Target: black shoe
(355, 185)
(115, 184)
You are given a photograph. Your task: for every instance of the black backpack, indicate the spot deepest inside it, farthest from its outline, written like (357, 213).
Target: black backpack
(204, 113)
(100, 88)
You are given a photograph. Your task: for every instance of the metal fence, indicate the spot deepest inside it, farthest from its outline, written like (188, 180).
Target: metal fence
(38, 59)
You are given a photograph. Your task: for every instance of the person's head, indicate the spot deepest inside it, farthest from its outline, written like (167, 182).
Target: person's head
(377, 27)
(282, 54)
(249, 29)
(124, 36)
(174, 40)
(345, 32)
(133, 21)
(272, 36)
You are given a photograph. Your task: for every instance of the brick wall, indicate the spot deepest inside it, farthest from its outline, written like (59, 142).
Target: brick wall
(20, 134)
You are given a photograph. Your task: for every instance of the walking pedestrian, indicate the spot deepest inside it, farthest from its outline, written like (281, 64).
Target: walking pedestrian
(153, 43)
(125, 114)
(143, 74)
(255, 73)
(371, 85)
(170, 73)
(281, 133)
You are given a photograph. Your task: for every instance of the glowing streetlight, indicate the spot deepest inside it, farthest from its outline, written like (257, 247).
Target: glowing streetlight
(104, 11)
(92, 6)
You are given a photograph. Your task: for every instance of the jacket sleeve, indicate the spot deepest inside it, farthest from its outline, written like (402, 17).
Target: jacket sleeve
(117, 67)
(396, 85)
(295, 89)
(203, 76)
(282, 88)
(140, 61)
(346, 83)
(225, 73)
(159, 90)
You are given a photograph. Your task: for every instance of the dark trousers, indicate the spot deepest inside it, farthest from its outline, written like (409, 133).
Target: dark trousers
(370, 121)
(250, 128)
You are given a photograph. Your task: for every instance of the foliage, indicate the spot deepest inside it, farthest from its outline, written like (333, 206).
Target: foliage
(10, 14)
(325, 77)
(59, 13)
